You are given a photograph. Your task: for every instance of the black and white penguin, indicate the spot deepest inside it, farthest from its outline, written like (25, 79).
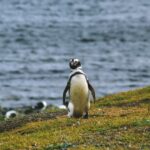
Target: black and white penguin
(41, 106)
(11, 114)
(80, 91)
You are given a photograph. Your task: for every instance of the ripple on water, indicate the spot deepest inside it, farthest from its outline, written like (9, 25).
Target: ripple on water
(37, 39)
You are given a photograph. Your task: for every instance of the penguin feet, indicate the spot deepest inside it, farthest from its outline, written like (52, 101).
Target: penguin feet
(85, 116)
(69, 116)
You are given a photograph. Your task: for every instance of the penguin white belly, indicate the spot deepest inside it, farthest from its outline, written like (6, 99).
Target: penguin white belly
(79, 94)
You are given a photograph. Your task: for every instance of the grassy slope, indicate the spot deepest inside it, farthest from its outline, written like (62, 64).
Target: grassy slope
(119, 121)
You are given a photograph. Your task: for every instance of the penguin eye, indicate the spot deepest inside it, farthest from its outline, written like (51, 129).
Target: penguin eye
(72, 63)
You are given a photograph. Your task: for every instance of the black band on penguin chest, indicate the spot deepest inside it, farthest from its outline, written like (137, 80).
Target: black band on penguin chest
(76, 73)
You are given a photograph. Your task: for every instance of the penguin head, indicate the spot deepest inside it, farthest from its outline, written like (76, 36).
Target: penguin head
(41, 105)
(74, 63)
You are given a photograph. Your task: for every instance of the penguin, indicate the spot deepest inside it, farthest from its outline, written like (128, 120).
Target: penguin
(40, 106)
(11, 114)
(80, 91)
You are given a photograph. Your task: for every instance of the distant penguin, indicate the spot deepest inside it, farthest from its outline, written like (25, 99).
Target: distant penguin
(41, 106)
(80, 91)
(10, 114)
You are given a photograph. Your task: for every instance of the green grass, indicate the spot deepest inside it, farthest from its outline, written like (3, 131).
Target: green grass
(118, 121)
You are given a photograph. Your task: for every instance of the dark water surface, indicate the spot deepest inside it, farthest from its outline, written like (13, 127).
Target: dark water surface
(38, 37)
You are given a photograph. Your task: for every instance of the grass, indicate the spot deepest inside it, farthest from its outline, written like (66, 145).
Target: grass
(118, 121)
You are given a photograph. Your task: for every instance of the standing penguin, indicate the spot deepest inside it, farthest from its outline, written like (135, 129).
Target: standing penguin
(79, 91)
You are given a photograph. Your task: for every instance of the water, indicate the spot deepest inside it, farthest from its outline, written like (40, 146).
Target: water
(37, 39)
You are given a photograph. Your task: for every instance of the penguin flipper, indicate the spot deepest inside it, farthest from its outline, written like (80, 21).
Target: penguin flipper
(92, 91)
(64, 94)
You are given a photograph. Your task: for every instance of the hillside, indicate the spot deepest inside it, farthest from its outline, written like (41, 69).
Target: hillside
(118, 121)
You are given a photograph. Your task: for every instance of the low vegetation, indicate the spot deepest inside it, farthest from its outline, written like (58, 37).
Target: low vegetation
(118, 121)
